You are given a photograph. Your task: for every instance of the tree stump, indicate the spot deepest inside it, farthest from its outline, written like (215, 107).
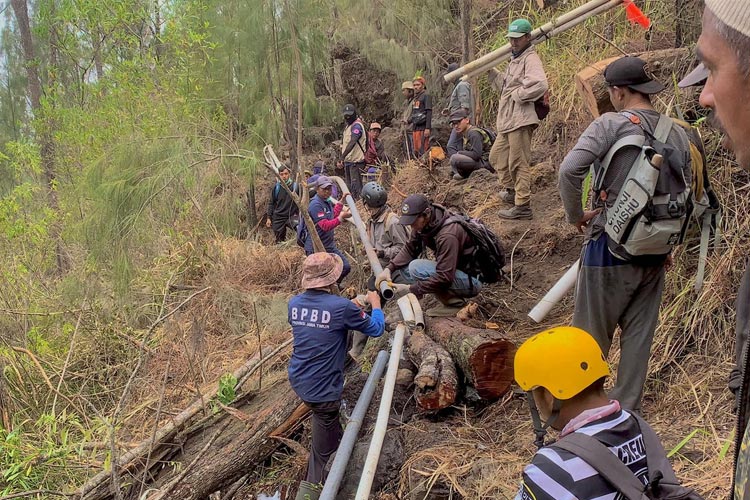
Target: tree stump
(484, 356)
(662, 64)
(436, 381)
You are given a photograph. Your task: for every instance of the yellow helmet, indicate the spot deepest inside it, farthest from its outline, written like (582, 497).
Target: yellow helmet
(564, 360)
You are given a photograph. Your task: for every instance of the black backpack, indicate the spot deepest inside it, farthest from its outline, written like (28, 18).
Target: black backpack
(487, 257)
(663, 484)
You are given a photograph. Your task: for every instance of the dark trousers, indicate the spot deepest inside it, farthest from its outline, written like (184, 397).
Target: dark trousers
(280, 225)
(464, 165)
(353, 177)
(326, 436)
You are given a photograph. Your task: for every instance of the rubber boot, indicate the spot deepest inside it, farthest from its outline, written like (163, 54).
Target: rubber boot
(449, 305)
(308, 491)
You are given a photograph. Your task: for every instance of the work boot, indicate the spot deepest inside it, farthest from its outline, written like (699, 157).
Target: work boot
(449, 306)
(508, 195)
(308, 491)
(518, 212)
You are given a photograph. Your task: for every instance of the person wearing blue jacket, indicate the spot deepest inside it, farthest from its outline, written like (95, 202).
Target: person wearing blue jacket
(327, 214)
(320, 322)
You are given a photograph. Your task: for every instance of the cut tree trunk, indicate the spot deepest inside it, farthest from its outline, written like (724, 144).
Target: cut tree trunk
(664, 65)
(224, 464)
(484, 356)
(436, 381)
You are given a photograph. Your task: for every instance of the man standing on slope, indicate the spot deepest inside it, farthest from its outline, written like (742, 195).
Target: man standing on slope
(421, 117)
(327, 214)
(320, 321)
(281, 207)
(522, 83)
(619, 290)
(353, 148)
(723, 49)
(407, 90)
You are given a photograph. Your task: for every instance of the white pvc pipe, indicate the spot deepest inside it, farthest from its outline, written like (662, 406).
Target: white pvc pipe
(502, 56)
(417, 309)
(348, 440)
(557, 292)
(378, 435)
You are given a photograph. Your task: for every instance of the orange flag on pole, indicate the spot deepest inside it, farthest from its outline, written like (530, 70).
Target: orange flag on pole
(636, 15)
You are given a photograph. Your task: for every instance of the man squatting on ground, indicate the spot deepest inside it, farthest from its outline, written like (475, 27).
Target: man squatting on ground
(445, 276)
(563, 372)
(522, 83)
(282, 211)
(473, 147)
(353, 148)
(320, 321)
(460, 99)
(327, 216)
(723, 50)
(612, 291)
(386, 236)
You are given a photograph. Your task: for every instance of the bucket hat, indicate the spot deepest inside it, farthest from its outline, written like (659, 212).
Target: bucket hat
(321, 269)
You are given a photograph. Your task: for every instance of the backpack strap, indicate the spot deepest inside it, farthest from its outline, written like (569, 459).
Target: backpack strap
(605, 463)
(626, 142)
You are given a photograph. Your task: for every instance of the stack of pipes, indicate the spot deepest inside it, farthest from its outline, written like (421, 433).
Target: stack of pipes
(539, 35)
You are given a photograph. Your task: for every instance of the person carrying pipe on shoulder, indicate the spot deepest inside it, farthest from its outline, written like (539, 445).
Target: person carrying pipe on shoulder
(353, 150)
(320, 321)
(521, 84)
(282, 211)
(327, 214)
(603, 450)
(618, 283)
(386, 236)
(446, 277)
(473, 148)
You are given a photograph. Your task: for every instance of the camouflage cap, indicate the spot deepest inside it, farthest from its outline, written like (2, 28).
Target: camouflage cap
(321, 269)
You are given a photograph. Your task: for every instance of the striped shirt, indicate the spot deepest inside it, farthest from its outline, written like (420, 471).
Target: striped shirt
(556, 474)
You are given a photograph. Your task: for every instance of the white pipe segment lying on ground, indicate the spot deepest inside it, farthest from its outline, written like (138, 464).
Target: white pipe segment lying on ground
(611, 4)
(331, 488)
(556, 293)
(384, 412)
(494, 58)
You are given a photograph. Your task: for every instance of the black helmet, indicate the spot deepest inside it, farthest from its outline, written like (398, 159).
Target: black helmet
(374, 195)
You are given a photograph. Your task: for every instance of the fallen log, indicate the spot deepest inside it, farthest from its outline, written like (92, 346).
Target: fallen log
(228, 460)
(485, 357)
(97, 488)
(436, 381)
(662, 64)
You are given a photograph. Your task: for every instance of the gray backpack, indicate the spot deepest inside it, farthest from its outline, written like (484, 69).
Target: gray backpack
(663, 483)
(650, 214)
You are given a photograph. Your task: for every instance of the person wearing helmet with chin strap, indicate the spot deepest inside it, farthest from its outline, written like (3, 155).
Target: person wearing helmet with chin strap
(603, 450)
(386, 236)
